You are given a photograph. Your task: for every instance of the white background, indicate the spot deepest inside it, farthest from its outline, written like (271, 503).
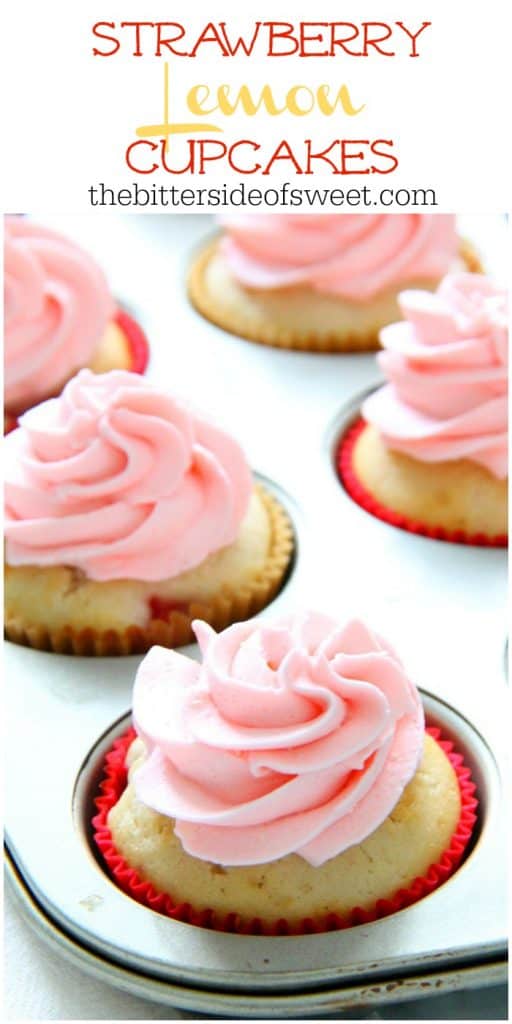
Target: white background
(69, 115)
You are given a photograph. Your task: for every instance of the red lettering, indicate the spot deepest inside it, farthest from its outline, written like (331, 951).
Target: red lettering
(321, 155)
(132, 147)
(304, 38)
(388, 31)
(103, 35)
(231, 157)
(346, 155)
(413, 35)
(240, 43)
(165, 160)
(387, 156)
(283, 152)
(210, 35)
(337, 41)
(160, 41)
(280, 30)
(137, 25)
(217, 149)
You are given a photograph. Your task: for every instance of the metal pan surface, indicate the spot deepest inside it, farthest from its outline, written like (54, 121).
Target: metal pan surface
(442, 605)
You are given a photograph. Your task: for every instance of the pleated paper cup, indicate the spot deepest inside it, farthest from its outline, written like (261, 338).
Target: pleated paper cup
(360, 493)
(170, 624)
(299, 317)
(114, 783)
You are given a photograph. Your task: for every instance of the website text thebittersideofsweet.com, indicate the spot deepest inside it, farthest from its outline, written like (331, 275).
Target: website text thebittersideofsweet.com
(242, 195)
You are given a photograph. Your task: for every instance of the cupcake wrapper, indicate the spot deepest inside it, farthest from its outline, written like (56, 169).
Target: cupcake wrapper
(114, 783)
(136, 339)
(277, 337)
(469, 256)
(138, 347)
(10, 422)
(363, 497)
(172, 626)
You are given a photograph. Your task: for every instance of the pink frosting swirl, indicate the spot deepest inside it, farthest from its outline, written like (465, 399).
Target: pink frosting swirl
(57, 306)
(298, 738)
(447, 364)
(119, 479)
(355, 256)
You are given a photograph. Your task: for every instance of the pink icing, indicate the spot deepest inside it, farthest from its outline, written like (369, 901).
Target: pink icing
(57, 306)
(447, 367)
(298, 738)
(355, 256)
(119, 479)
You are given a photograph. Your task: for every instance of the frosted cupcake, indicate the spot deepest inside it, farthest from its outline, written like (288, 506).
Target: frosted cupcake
(325, 282)
(286, 784)
(431, 453)
(59, 317)
(127, 515)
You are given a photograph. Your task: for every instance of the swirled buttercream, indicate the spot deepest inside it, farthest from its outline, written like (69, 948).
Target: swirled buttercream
(120, 480)
(57, 306)
(355, 256)
(447, 367)
(298, 738)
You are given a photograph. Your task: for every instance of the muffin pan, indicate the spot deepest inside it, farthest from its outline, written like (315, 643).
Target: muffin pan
(442, 605)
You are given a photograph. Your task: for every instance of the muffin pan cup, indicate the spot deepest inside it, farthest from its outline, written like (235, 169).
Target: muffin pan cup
(346, 459)
(361, 995)
(66, 711)
(458, 928)
(441, 605)
(114, 782)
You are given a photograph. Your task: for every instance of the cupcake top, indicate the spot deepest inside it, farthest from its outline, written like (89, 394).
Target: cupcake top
(447, 367)
(120, 480)
(297, 738)
(57, 306)
(354, 256)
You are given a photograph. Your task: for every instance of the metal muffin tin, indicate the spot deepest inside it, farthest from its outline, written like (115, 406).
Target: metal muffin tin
(442, 605)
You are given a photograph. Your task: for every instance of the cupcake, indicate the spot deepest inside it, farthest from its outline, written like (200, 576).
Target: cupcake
(321, 282)
(430, 454)
(127, 515)
(286, 784)
(59, 317)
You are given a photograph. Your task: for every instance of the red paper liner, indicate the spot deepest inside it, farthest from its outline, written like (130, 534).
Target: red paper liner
(10, 422)
(114, 782)
(137, 341)
(363, 497)
(138, 347)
